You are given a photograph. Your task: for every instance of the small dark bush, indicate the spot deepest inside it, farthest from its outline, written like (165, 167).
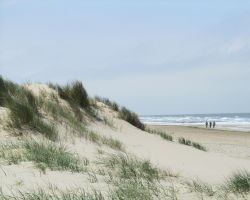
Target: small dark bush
(131, 117)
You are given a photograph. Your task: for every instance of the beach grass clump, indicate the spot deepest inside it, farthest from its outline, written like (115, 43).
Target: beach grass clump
(113, 143)
(130, 167)
(200, 187)
(184, 141)
(23, 106)
(131, 118)
(134, 189)
(162, 134)
(190, 143)
(113, 105)
(76, 95)
(12, 152)
(238, 183)
(42, 194)
(198, 146)
(49, 155)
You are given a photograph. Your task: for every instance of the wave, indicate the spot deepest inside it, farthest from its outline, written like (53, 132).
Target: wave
(236, 118)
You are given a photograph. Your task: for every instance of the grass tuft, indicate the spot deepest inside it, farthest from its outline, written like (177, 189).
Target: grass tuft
(238, 183)
(190, 143)
(113, 105)
(129, 167)
(162, 134)
(49, 155)
(131, 117)
(42, 194)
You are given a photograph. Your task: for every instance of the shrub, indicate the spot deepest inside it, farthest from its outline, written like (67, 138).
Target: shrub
(131, 117)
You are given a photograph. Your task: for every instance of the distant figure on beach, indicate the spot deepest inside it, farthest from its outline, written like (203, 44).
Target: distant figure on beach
(210, 124)
(214, 124)
(206, 124)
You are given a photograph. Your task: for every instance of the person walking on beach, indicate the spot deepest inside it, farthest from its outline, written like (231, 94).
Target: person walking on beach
(214, 124)
(210, 124)
(206, 124)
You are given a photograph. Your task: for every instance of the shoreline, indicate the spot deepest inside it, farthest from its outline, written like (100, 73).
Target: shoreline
(224, 127)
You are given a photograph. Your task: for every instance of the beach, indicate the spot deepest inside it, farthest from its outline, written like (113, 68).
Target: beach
(229, 142)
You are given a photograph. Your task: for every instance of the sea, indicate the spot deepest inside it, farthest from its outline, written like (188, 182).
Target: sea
(229, 121)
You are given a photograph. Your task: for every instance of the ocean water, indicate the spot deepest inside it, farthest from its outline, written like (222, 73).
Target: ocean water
(234, 121)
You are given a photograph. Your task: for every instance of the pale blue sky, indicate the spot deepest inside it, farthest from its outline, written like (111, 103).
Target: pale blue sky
(154, 56)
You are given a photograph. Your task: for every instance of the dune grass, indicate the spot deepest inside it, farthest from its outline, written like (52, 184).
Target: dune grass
(76, 95)
(162, 134)
(130, 167)
(43, 194)
(24, 110)
(131, 117)
(193, 144)
(52, 156)
(113, 105)
(238, 183)
(201, 188)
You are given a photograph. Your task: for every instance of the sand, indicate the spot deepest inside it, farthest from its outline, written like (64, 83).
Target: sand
(231, 143)
(228, 152)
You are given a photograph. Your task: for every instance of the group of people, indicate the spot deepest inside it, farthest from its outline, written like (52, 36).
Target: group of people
(210, 124)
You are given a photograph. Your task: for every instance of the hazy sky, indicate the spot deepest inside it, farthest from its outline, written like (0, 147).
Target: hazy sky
(154, 56)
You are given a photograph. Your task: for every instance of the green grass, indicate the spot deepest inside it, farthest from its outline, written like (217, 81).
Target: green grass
(162, 134)
(131, 117)
(49, 155)
(238, 183)
(42, 194)
(200, 187)
(75, 94)
(129, 167)
(134, 189)
(113, 105)
(193, 144)
(12, 152)
(24, 112)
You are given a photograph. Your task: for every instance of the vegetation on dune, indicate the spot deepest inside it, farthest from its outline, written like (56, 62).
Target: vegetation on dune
(49, 155)
(43, 154)
(43, 194)
(24, 109)
(162, 134)
(238, 183)
(131, 117)
(190, 143)
(113, 105)
(76, 95)
(123, 112)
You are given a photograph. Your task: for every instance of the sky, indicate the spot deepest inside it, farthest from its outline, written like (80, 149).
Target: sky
(153, 56)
